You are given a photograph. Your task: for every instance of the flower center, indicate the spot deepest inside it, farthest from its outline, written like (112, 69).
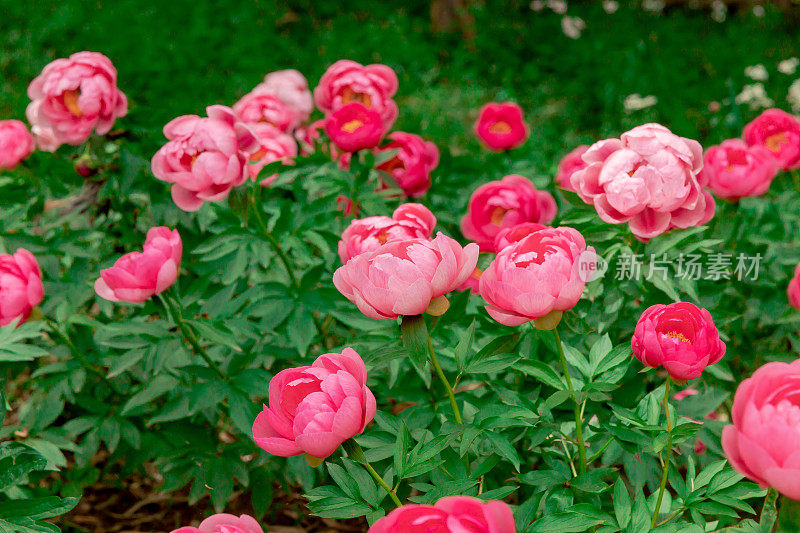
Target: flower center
(382, 237)
(350, 95)
(71, 102)
(774, 142)
(500, 127)
(677, 335)
(498, 214)
(352, 125)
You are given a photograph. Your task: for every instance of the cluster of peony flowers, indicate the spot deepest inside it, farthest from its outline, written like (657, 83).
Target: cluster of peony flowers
(224, 523)
(453, 514)
(500, 126)
(21, 286)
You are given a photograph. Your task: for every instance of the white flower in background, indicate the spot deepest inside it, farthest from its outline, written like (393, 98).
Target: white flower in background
(755, 96)
(558, 6)
(756, 72)
(788, 66)
(653, 5)
(794, 96)
(610, 6)
(719, 11)
(636, 102)
(537, 5)
(572, 26)
(758, 11)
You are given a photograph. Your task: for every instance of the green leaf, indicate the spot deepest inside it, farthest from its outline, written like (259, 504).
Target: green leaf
(14, 345)
(463, 347)
(157, 387)
(640, 516)
(622, 503)
(542, 372)
(414, 333)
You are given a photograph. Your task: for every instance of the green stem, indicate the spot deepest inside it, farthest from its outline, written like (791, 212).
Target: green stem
(769, 513)
(355, 453)
(440, 373)
(668, 455)
(577, 409)
(189, 335)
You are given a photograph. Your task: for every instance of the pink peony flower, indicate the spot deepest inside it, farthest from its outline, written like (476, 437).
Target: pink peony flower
(409, 221)
(793, 291)
(274, 145)
(313, 409)
(538, 277)
(292, 88)
(20, 286)
(501, 204)
(779, 132)
(372, 86)
(647, 178)
(308, 137)
(569, 165)
(734, 170)
(412, 165)
(259, 107)
(681, 337)
(205, 156)
(406, 277)
(453, 514)
(73, 97)
(16, 143)
(762, 443)
(354, 127)
(500, 126)
(509, 236)
(224, 523)
(137, 276)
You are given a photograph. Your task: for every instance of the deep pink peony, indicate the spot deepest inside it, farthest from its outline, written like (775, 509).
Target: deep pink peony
(292, 88)
(502, 204)
(406, 277)
(453, 514)
(409, 221)
(537, 277)
(259, 107)
(313, 409)
(20, 286)
(137, 276)
(681, 337)
(569, 165)
(354, 127)
(779, 132)
(764, 441)
(224, 523)
(647, 178)
(501, 126)
(735, 170)
(205, 156)
(372, 86)
(793, 291)
(16, 143)
(73, 97)
(274, 145)
(412, 165)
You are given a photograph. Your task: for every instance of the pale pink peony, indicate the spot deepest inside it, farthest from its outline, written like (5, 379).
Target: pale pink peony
(647, 178)
(537, 277)
(409, 221)
(764, 441)
(406, 277)
(680, 337)
(313, 409)
(735, 170)
(372, 86)
(274, 145)
(779, 132)
(453, 514)
(205, 156)
(500, 126)
(259, 107)
(73, 97)
(569, 165)
(137, 276)
(292, 88)
(224, 523)
(16, 143)
(354, 127)
(502, 204)
(412, 165)
(793, 291)
(20, 286)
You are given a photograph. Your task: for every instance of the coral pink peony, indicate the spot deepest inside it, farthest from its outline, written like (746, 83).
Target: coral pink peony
(764, 441)
(569, 165)
(16, 143)
(73, 97)
(537, 277)
(647, 178)
(20, 286)
(681, 337)
(313, 409)
(224, 523)
(136, 276)
(453, 514)
(778, 132)
(409, 221)
(274, 145)
(500, 126)
(412, 165)
(371, 86)
(205, 156)
(292, 88)
(354, 127)
(734, 170)
(262, 107)
(406, 277)
(793, 291)
(501, 204)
